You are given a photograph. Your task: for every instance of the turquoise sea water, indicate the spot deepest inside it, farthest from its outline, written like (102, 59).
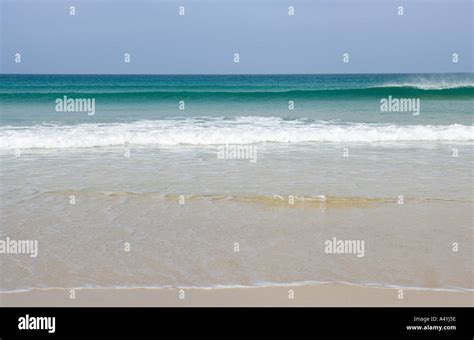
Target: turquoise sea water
(205, 109)
(29, 99)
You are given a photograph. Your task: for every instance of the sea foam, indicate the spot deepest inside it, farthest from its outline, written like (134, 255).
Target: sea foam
(218, 131)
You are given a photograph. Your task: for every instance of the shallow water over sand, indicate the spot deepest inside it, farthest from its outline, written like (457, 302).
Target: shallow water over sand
(182, 210)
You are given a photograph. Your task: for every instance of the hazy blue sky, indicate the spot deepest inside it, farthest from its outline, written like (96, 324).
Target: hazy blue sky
(206, 38)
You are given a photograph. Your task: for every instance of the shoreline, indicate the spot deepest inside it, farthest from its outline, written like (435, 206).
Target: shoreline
(321, 295)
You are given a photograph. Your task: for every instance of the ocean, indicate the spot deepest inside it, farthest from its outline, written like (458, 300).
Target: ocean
(237, 180)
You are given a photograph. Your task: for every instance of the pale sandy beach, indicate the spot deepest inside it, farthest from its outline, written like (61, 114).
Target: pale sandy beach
(323, 295)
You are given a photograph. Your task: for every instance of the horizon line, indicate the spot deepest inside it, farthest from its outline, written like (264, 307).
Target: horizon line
(226, 74)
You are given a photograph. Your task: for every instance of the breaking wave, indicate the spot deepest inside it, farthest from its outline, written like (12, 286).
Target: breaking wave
(218, 131)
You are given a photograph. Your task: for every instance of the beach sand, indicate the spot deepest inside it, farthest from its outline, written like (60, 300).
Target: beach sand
(323, 295)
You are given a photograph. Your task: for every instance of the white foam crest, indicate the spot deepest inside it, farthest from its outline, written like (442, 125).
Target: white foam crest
(432, 84)
(244, 130)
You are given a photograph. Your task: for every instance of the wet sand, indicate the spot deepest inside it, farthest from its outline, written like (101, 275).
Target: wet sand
(323, 295)
(164, 218)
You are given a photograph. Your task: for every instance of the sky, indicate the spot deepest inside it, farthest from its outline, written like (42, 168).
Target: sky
(205, 39)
